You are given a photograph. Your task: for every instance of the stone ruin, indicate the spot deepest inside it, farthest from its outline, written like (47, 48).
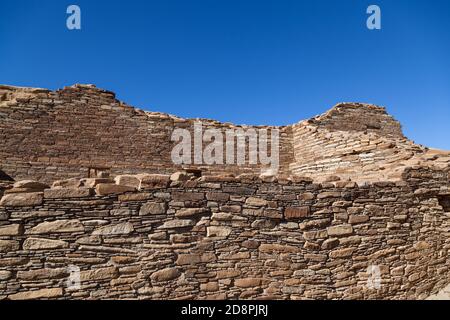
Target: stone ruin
(92, 207)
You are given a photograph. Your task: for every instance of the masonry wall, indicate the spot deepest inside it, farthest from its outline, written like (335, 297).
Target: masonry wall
(226, 238)
(49, 135)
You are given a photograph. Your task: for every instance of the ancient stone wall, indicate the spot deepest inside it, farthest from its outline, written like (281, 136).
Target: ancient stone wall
(55, 135)
(221, 237)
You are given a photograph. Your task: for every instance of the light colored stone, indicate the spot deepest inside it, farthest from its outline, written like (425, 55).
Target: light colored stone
(9, 245)
(256, 202)
(128, 180)
(165, 274)
(150, 208)
(221, 232)
(177, 223)
(99, 274)
(104, 189)
(296, 212)
(5, 275)
(44, 244)
(117, 229)
(22, 199)
(67, 193)
(40, 274)
(30, 184)
(11, 230)
(340, 230)
(274, 247)
(37, 294)
(58, 226)
(189, 212)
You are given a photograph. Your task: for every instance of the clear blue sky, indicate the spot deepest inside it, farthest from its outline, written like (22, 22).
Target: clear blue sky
(245, 61)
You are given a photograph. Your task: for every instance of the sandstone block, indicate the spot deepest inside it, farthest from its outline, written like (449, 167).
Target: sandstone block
(357, 219)
(22, 199)
(270, 248)
(152, 208)
(154, 181)
(247, 282)
(178, 223)
(340, 230)
(11, 230)
(217, 196)
(99, 274)
(165, 274)
(128, 181)
(67, 183)
(330, 244)
(292, 213)
(189, 212)
(40, 274)
(227, 274)
(104, 189)
(43, 244)
(116, 229)
(9, 245)
(58, 226)
(5, 275)
(256, 202)
(65, 193)
(209, 286)
(93, 182)
(30, 184)
(37, 294)
(220, 232)
(341, 253)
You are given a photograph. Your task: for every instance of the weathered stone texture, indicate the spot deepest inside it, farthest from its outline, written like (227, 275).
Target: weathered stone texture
(154, 244)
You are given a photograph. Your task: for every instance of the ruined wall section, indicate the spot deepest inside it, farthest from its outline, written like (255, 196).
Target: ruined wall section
(227, 238)
(355, 141)
(54, 135)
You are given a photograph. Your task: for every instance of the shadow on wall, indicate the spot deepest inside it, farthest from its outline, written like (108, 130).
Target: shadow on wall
(5, 177)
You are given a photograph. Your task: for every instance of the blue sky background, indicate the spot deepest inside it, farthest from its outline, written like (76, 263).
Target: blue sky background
(244, 61)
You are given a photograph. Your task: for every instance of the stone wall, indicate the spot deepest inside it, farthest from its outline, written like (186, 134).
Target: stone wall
(50, 135)
(221, 237)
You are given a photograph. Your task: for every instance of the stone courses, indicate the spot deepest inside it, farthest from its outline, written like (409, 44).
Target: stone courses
(206, 239)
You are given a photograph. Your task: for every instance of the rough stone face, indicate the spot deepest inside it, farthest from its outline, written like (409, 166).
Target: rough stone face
(181, 223)
(118, 229)
(42, 274)
(189, 212)
(21, 199)
(154, 181)
(104, 189)
(152, 208)
(8, 245)
(341, 230)
(43, 244)
(11, 230)
(296, 212)
(165, 274)
(30, 184)
(37, 294)
(58, 226)
(218, 231)
(67, 193)
(99, 274)
(128, 181)
(257, 202)
(5, 275)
